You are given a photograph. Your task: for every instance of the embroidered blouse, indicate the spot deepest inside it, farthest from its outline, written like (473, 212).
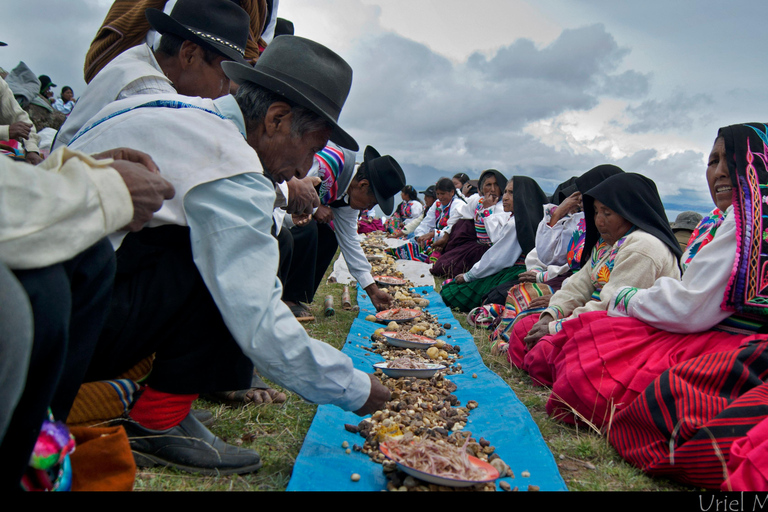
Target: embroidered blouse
(636, 259)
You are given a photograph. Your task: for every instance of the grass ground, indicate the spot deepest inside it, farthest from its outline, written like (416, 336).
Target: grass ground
(586, 461)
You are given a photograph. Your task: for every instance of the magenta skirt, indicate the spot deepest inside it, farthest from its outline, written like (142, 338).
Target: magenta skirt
(597, 365)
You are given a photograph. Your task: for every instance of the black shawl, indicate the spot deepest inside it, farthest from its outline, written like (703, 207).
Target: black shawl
(634, 197)
(529, 200)
(595, 176)
(564, 190)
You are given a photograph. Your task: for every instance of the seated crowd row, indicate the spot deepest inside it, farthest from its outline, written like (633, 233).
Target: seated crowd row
(591, 291)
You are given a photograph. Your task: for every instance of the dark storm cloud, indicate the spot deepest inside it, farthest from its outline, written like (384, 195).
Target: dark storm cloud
(408, 89)
(679, 111)
(51, 40)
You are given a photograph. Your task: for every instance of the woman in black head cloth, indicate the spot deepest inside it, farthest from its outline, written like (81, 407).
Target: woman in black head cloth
(628, 242)
(513, 234)
(468, 239)
(559, 241)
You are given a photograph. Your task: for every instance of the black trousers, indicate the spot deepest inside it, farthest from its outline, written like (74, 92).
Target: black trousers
(161, 305)
(314, 246)
(69, 304)
(285, 246)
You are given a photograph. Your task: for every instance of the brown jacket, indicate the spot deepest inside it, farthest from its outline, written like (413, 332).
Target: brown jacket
(126, 26)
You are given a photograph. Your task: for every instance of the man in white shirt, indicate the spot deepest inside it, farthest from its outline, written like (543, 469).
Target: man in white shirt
(197, 37)
(198, 287)
(344, 192)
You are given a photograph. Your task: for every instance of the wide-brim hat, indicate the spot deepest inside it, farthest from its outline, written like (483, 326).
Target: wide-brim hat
(306, 73)
(687, 220)
(220, 25)
(3, 44)
(385, 176)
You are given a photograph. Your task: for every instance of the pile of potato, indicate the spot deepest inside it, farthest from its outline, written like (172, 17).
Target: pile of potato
(427, 408)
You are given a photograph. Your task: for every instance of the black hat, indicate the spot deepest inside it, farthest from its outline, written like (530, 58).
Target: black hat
(430, 192)
(45, 82)
(283, 27)
(306, 73)
(220, 25)
(385, 176)
(3, 44)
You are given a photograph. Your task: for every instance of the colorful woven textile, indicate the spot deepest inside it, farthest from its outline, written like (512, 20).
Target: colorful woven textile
(576, 245)
(518, 301)
(685, 423)
(331, 162)
(746, 147)
(702, 235)
(466, 296)
(480, 214)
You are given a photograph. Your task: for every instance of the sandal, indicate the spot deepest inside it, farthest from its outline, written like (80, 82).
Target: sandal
(242, 397)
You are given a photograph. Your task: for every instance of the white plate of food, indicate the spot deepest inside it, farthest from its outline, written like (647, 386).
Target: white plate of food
(398, 315)
(441, 464)
(390, 280)
(407, 367)
(408, 340)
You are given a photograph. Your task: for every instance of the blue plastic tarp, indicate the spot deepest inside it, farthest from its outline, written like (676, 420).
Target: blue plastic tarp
(324, 465)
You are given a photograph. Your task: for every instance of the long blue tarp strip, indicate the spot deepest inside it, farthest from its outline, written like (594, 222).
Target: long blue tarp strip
(324, 465)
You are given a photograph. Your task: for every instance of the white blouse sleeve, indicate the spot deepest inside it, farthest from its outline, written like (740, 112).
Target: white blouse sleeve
(690, 305)
(416, 209)
(428, 224)
(345, 227)
(503, 254)
(552, 242)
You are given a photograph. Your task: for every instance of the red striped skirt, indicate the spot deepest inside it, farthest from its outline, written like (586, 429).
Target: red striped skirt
(713, 409)
(596, 365)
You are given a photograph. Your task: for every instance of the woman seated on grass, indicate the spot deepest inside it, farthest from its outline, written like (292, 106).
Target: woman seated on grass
(513, 234)
(556, 257)
(437, 223)
(468, 239)
(713, 404)
(409, 209)
(628, 242)
(408, 229)
(601, 364)
(559, 236)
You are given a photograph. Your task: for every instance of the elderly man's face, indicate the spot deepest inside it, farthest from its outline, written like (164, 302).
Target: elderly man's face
(285, 156)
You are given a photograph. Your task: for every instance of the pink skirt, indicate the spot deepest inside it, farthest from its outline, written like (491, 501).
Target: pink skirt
(600, 364)
(596, 365)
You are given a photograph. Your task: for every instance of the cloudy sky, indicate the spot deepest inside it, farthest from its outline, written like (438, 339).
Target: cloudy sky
(545, 88)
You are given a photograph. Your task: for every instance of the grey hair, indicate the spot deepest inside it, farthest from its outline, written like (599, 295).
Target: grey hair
(254, 101)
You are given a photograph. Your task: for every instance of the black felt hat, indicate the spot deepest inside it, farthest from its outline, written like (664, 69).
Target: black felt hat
(220, 25)
(306, 73)
(385, 176)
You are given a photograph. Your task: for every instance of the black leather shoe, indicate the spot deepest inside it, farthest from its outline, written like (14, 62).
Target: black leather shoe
(203, 416)
(189, 447)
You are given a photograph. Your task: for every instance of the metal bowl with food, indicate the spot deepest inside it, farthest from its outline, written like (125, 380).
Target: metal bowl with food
(408, 340)
(439, 464)
(398, 315)
(390, 280)
(419, 371)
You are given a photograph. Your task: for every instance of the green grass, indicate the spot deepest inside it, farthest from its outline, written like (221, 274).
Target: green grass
(585, 459)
